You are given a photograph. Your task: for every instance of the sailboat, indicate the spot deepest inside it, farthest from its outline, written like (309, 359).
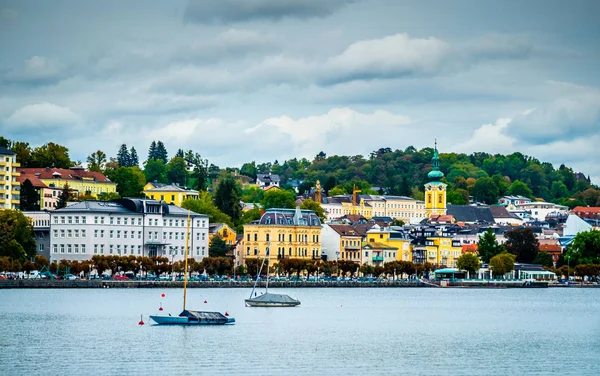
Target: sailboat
(268, 299)
(188, 317)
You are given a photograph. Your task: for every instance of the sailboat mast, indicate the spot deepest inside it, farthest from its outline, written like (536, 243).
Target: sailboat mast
(185, 275)
(267, 258)
(255, 282)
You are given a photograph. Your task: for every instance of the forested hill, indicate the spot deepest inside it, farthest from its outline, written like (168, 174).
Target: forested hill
(484, 176)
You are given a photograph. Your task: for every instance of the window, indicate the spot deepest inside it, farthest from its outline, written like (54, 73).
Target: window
(155, 222)
(156, 235)
(176, 235)
(76, 220)
(255, 237)
(267, 237)
(95, 248)
(170, 235)
(171, 222)
(125, 249)
(125, 220)
(124, 234)
(75, 233)
(102, 220)
(164, 236)
(111, 220)
(139, 221)
(101, 248)
(118, 249)
(76, 246)
(69, 249)
(203, 249)
(69, 233)
(55, 248)
(62, 219)
(248, 237)
(62, 248)
(95, 233)
(83, 219)
(203, 223)
(55, 234)
(55, 220)
(248, 251)
(139, 234)
(203, 236)
(112, 233)
(118, 220)
(70, 219)
(41, 248)
(139, 249)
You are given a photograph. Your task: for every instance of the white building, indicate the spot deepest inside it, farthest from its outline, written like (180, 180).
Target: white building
(41, 231)
(267, 180)
(514, 200)
(539, 210)
(126, 227)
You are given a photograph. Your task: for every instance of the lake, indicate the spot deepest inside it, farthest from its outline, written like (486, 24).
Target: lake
(336, 331)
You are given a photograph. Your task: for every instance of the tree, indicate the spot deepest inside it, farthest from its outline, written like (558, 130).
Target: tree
(249, 169)
(96, 161)
(30, 198)
(502, 263)
(177, 171)
(152, 151)
(161, 152)
(488, 246)
(227, 197)
(544, 259)
(278, 198)
(130, 181)
(179, 153)
(314, 206)
(518, 188)
(155, 171)
(522, 243)
(123, 156)
(585, 248)
(23, 152)
(469, 262)
(16, 235)
(205, 205)
(134, 160)
(559, 190)
(200, 172)
(485, 190)
(40, 262)
(336, 191)
(218, 247)
(64, 197)
(51, 155)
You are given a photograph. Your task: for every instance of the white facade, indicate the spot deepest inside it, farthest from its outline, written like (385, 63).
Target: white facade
(539, 210)
(126, 227)
(330, 243)
(41, 231)
(333, 210)
(514, 200)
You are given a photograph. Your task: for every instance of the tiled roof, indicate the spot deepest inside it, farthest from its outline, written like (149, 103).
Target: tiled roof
(550, 248)
(171, 188)
(469, 248)
(268, 178)
(586, 209)
(37, 183)
(344, 230)
(376, 245)
(5, 151)
(362, 228)
(66, 174)
(466, 213)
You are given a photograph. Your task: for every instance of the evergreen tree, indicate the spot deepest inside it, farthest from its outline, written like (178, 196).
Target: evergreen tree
(227, 197)
(161, 152)
(522, 243)
(64, 197)
(177, 171)
(133, 158)
(179, 153)
(155, 171)
(488, 246)
(218, 246)
(30, 198)
(152, 151)
(123, 156)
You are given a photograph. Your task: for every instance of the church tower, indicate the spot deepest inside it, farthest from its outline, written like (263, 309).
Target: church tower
(435, 190)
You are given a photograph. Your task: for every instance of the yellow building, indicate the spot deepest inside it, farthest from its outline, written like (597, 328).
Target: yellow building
(349, 242)
(435, 190)
(169, 193)
(395, 239)
(442, 250)
(378, 254)
(10, 188)
(287, 233)
(226, 232)
(80, 181)
(402, 208)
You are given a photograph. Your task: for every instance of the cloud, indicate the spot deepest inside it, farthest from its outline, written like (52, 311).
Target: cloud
(8, 14)
(229, 11)
(489, 138)
(231, 44)
(37, 70)
(574, 114)
(42, 115)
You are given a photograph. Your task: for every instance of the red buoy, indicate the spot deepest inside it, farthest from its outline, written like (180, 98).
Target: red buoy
(160, 308)
(205, 302)
(163, 295)
(141, 320)
(226, 314)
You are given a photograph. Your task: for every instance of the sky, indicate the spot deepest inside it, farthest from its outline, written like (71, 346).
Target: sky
(268, 80)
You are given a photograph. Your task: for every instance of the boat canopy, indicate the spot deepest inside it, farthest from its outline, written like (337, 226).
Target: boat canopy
(204, 316)
(274, 299)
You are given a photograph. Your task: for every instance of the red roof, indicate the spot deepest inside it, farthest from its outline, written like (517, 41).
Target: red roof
(61, 173)
(587, 209)
(550, 248)
(344, 230)
(469, 248)
(37, 183)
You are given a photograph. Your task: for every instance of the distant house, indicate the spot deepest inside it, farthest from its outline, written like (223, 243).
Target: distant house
(503, 217)
(265, 180)
(513, 200)
(586, 212)
(471, 214)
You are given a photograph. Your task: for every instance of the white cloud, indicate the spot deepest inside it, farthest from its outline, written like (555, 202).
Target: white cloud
(43, 115)
(489, 138)
(36, 70)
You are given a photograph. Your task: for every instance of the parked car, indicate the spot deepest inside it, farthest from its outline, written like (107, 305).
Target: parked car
(94, 276)
(70, 277)
(121, 278)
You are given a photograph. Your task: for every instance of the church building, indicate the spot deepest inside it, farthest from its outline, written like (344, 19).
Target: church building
(435, 190)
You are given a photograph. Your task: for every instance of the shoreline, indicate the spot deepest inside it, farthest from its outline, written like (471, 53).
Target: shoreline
(95, 284)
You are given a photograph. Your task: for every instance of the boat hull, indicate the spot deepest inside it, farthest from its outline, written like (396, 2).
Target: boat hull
(252, 303)
(185, 321)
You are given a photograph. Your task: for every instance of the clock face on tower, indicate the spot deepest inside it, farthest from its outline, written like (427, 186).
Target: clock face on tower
(440, 187)
(429, 187)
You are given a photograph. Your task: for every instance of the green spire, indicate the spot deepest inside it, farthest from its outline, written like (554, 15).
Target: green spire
(435, 174)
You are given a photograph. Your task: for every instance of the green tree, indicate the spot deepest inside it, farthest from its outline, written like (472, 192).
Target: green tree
(134, 160)
(227, 197)
(458, 196)
(522, 243)
(518, 188)
(96, 161)
(200, 170)
(64, 197)
(249, 169)
(205, 205)
(469, 262)
(544, 259)
(177, 171)
(336, 191)
(152, 151)
(314, 206)
(130, 181)
(502, 263)
(559, 190)
(123, 157)
(218, 247)
(485, 190)
(23, 152)
(155, 171)
(16, 235)
(278, 198)
(161, 152)
(30, 198)
(488, 246)
(40, 262)
(585, 248)
(51, 155)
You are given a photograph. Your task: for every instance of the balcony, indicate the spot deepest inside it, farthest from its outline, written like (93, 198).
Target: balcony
(377, 258)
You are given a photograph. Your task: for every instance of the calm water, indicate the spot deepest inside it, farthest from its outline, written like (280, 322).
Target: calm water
(334, 332)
